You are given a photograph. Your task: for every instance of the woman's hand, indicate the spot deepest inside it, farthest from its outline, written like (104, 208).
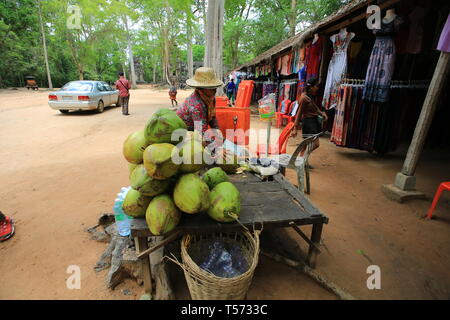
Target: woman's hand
(325, 117)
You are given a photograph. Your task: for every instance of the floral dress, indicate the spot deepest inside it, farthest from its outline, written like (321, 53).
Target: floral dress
(382, 62)
(336, 69)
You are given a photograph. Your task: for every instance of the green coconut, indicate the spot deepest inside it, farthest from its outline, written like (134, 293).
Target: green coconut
(192, 152)
(214, 176)
(158, 161)
(162, 215)
(131, 167)
(230, 164)
(135, 204)
(134, 146)
(161, 125)
(225, 201)
(142, 182)
(191, 194)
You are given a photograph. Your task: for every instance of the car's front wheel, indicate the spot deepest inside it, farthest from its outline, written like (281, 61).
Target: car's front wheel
(100, 107)
(64, 111)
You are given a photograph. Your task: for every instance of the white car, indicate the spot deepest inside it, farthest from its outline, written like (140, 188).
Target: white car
(83, 95)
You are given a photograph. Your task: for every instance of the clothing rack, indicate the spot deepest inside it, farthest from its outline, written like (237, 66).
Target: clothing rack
(289, 81)
(410, 84)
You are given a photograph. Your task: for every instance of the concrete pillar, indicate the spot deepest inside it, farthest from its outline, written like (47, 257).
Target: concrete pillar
(405, 181)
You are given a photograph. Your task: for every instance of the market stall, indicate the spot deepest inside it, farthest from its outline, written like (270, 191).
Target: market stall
(375, 79)
(265, 205)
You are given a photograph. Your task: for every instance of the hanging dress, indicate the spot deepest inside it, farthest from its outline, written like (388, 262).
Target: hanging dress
(336, 69)
(314, 58)
(382, 62)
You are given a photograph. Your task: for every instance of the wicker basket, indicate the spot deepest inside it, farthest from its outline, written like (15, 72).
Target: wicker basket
(204, 285)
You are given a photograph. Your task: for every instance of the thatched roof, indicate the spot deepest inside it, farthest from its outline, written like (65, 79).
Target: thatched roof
(300, 37)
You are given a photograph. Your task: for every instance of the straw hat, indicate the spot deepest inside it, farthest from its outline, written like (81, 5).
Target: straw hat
(204, 78)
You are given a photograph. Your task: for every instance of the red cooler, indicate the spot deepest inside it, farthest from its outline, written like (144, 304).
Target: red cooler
(244, 94)
(234, 118)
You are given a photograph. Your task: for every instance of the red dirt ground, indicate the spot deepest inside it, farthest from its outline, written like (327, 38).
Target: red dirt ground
(59, 172)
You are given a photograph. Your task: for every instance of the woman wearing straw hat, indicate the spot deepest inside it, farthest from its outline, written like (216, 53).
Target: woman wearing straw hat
(200, 106)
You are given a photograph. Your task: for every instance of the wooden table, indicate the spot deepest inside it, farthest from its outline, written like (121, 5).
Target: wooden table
(265, 204)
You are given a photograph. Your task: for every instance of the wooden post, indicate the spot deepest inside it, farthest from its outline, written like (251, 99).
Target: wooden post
(427, 114)
(316, 234)
(142, 245)
(405, 181)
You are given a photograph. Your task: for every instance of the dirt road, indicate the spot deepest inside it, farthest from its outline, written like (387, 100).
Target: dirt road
(58, 173)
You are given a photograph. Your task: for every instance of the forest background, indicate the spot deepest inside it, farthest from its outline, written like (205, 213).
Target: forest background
(96, 39)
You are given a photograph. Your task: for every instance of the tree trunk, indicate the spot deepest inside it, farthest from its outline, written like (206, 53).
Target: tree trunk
(124, 70)
(166, 29)
(293, 18)
(130, 54)
(50, 84)
(190, 58)
(214, 39)
(166, 57)
(209, 33)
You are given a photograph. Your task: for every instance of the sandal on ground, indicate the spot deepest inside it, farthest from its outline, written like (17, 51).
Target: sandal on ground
(6, 229)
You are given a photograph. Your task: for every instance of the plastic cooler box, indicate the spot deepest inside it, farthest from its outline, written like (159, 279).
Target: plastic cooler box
(221, 101)
(226, 117)
(244, 94)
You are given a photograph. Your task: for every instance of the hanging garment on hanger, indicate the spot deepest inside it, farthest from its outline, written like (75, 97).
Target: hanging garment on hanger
(314, 58)
(279, 65)
(285, 65)
(336, 69)
(336, 134)
(382, 62)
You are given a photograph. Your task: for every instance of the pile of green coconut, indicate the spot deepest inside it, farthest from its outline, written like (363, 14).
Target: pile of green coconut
(163, 189)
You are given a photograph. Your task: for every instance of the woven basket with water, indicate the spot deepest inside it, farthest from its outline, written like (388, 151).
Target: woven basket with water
(204, 285)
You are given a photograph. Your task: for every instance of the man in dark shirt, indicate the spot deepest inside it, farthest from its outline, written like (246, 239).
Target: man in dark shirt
(123, 85)
(231, 91)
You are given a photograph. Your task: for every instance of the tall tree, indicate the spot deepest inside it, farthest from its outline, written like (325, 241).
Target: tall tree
(44, 45)
(236, 27)
(130, 53)
(214, 38)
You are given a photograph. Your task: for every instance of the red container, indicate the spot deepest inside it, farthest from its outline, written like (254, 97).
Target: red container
(244, 94)
(222, 101)
(226, 117)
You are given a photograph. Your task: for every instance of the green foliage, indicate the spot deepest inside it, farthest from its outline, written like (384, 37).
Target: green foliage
(158, 31)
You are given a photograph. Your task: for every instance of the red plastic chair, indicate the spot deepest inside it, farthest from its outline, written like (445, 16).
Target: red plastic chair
(279, 114)
(442, 186)
(288, 114)
(280, 146)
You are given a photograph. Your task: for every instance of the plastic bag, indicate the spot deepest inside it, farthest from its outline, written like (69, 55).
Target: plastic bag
(267, 107)
(225, 263)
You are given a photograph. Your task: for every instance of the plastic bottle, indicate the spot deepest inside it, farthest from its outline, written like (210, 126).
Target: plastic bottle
(122, 220)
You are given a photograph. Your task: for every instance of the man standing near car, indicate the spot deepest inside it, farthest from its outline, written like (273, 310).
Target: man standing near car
(123, 85)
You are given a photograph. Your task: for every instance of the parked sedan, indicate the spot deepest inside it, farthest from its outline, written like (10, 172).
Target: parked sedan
(83, 95)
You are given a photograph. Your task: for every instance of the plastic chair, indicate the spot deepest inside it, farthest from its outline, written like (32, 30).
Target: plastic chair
(288, 116)
(283, 110)
(300, 164)
(442, 186)
(280, 146)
